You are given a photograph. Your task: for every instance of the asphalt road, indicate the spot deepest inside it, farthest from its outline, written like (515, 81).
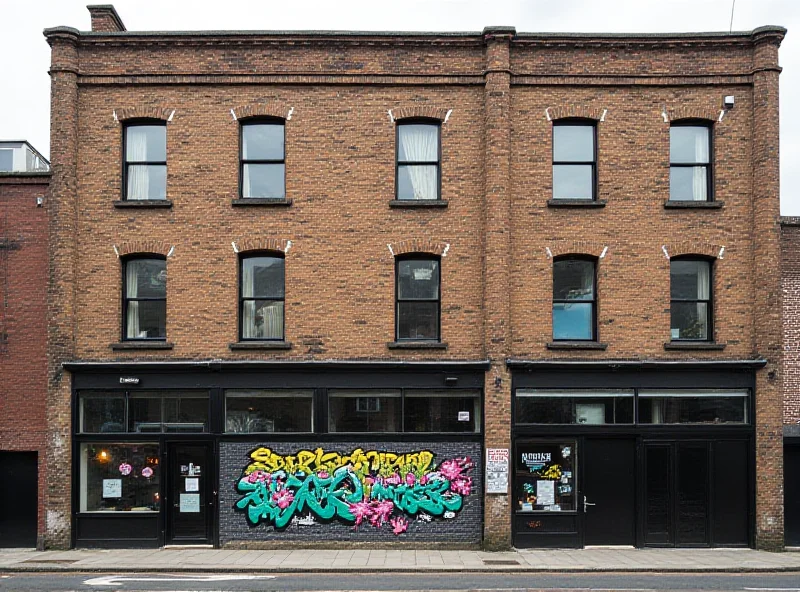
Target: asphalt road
(505, 582)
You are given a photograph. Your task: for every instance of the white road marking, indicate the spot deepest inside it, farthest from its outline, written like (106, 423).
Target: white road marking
(119, 580)
(775, 589)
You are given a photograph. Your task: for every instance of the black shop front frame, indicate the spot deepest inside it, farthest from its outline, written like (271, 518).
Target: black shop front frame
(159, 446)
(639, 454)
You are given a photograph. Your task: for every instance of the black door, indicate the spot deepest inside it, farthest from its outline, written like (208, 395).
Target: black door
(18, 499)
(189, 493)
(609, 491)
(791, 474)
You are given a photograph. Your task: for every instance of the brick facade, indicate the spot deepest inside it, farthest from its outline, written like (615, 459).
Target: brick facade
(790, 284)
(23, 345)
(496, 94)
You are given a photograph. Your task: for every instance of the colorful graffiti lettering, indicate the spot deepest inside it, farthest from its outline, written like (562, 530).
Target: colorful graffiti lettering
(373, 487)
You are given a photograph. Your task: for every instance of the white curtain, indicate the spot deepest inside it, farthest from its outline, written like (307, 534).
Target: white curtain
(246, 190)
(249, 330)
(703, 292)
(132, 290)
(699, 183)
(420, 144)
(272, 314)
(138, 175)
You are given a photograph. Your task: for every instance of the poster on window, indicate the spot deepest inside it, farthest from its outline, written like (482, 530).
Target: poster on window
(496, 470)
(190, 503)
(544, 477)
(112, 488)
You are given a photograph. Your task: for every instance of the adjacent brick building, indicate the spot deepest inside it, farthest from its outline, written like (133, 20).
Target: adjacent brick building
(312, 278)
(23, 346)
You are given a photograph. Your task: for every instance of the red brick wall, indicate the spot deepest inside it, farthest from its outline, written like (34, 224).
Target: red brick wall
(23, 351)
(790, 284)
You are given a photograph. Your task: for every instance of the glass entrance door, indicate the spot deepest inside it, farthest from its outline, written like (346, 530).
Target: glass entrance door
(189, 493)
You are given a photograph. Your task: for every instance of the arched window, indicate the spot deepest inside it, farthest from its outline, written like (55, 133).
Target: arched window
(574, 299)
(418, 298)
(262, 169)
(261, 297)
(690, 299)
(144, 300)
(418, 175)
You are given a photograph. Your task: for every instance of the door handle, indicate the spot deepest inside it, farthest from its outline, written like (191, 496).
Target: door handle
(585, 503)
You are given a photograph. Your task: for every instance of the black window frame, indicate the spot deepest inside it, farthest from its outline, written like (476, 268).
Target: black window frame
(708, 302)
(141, 122)
(398, 163)
(242, 161)
(126, 300)
(709, 166)
(575, 122)
(593, 301)
(398, 300)
(242, 298)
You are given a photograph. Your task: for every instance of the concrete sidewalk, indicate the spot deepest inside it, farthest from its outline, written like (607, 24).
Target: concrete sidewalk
(363, 560)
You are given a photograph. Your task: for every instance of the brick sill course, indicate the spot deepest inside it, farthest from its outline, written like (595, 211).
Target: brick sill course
(576, 345)
(697, 345)
(576, 203)
(418, 203)
(416, 345)
(141, 345)
(143, 203)
(693, 205)
(242, 345)
(261, 201)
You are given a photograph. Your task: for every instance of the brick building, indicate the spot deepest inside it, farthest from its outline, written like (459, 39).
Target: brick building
(790, 278)
(302, 282)
(24, 181)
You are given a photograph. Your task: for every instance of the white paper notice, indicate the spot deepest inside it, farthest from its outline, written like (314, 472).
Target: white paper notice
(112, 488)
(192, 484)
(190, 502)
(545, 493)
(497, 470)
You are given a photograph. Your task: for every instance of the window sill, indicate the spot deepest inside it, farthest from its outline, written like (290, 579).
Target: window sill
(261, 201)
(264, 345)
(418, 203)
(693, 205)
(416, 345)
(576, 203)
(577, 345)
(693, 345)
(143, 203)
(141, 345)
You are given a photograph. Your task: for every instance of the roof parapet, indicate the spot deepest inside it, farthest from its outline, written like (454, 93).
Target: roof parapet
(105, 18)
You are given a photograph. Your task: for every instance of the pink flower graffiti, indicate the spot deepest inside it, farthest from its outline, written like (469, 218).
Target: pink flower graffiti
(399, 525)
(283, 498)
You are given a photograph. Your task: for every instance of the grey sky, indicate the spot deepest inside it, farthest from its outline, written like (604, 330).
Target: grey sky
(25, 96)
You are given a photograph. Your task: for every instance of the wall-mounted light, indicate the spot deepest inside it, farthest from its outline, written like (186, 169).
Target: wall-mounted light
(728, 101)
(102, 456)
(39, 202)
(498, 382)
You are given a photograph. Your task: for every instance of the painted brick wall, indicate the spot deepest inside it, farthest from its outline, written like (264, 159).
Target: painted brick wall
(463, 530)
(790, 284)
(23, 343)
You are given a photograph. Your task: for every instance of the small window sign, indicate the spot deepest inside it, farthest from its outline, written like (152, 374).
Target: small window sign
(423, 274)
(675, 333)
(112, 488)
(463, 416)
(128, 380)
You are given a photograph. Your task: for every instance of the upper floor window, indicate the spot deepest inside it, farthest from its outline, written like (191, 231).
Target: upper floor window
(261, 298)
(418, 298)
(144, 303)
(263, 160)
(418, 158)
(574, 301)
(690, 162)
(690, 295)
(574, 160)
(145, 161)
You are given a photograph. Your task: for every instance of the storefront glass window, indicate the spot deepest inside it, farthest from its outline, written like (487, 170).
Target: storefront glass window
(441, 411)
(545, 474)
(574, 406)
(119, 477)
(364, 411)
(713, 406)
(253, 411)
(102, 413)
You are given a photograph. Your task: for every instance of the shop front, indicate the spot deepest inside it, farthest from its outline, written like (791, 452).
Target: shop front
(239, 454)
(633, 454)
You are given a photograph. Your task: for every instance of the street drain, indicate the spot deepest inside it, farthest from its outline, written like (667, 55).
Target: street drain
(64, 561)
(501, 562)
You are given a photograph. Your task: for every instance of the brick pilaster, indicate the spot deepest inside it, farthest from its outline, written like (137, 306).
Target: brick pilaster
(496, 270)
(767, 294)
(62, 211)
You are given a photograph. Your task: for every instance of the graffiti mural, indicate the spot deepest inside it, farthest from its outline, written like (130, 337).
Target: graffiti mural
(363, 487)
